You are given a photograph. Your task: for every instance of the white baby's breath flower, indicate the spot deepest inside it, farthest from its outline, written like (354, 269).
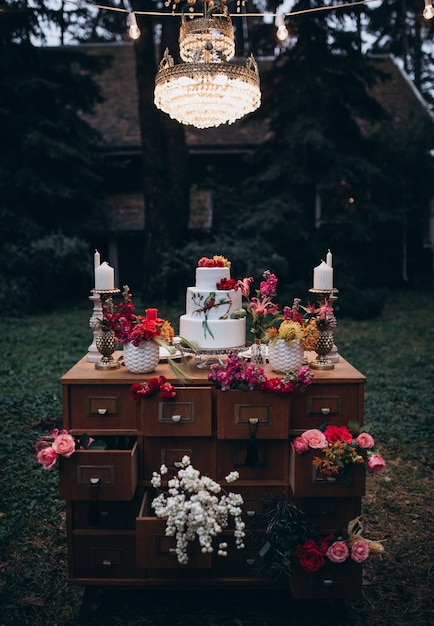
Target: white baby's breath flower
(163, 469)
(156, 480)
(232, 477)
(193, 510)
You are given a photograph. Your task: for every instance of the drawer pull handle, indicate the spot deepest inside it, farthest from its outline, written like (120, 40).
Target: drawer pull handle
(176, 418)
(94, 481)
(106, 562)
(253, 421)
(251, 513)
(327, 582)
(102, 411)
(172, 550)
(325, 410)
(250, 561)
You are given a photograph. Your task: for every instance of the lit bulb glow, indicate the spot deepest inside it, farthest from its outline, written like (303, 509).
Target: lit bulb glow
(282, 31)
(134, 31)
(428, 11)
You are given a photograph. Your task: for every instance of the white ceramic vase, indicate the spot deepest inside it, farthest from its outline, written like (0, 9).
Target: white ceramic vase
(143, 358)
(285, 356)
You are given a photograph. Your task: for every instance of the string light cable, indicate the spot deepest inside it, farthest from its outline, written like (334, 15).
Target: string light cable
(428, 11)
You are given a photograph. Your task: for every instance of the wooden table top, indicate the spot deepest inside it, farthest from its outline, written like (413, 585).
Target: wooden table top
(85, 372)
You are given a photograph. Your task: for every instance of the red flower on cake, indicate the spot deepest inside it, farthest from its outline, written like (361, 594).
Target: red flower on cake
(226, 284)
(216, 261)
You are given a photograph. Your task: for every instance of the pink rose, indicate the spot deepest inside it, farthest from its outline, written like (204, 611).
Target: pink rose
(338, 552)
(64, 444)
(376, 463)
(315, 438)
(47, 457)
(300, 445)
(359, 551)
(365, 441)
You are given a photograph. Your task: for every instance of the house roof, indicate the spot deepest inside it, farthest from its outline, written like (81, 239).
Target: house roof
(117, 116)
(397, 93)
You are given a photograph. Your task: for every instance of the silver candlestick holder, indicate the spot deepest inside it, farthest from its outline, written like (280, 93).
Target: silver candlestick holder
(325, 345)
(105, 340)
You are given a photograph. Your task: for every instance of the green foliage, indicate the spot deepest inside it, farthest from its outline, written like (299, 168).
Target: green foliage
(360, 304)
(38, 276)
(399, 29)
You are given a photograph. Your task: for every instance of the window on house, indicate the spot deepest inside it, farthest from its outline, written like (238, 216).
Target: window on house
(335, 205)
(201, 209)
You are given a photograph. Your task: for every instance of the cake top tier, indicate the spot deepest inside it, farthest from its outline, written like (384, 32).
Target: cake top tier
(208, 277)
(211, 271)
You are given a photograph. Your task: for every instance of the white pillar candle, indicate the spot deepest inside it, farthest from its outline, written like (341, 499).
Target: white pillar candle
(323, 277)
(329, 259)
(96, 260)
(104, 277)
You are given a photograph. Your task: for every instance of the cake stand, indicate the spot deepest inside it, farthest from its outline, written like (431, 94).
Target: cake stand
(211, 356)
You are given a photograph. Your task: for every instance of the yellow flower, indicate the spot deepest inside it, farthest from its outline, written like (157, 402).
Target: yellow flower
(289, 331)
(310, 335)
(270, 334)
(218, 257)
(167, 331)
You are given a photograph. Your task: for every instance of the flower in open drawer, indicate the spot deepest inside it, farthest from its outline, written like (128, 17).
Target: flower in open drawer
(341, 447)
(196, 507)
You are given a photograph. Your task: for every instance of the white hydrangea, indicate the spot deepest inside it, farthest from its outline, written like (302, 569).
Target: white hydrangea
(194, 508)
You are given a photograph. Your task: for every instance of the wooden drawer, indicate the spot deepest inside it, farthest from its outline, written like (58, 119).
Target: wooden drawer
(170, 450)
(101, 407)
(332, 404)
(188, 414)
(115, 469)
(272, 459)
(239, 563)
(258, 499)
(240, 411)
(155, 550)
(334, 580)
(327, 514)
(105, 556)
(306, 482)
(112, 515)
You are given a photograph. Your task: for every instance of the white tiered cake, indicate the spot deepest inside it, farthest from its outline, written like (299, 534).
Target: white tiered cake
(213, 317)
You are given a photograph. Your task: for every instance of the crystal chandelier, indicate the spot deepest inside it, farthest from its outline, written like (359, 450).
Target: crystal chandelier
(205, 90)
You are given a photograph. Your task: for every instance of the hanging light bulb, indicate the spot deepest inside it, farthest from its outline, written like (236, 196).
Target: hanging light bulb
(282, 31)
(428, 11)
(134, 31)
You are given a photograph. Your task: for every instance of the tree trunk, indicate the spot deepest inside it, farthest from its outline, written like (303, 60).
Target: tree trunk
(165, 163)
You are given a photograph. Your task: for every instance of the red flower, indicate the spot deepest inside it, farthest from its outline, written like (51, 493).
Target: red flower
(226, 284)
(337, 433)
(311, 556)
(151, 387)
(167, 390)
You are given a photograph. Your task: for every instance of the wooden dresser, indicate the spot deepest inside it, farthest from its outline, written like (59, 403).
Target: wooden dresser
(112, 537)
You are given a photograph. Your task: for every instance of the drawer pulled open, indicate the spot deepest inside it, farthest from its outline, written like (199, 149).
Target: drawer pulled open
(154, 550)
(307, 482)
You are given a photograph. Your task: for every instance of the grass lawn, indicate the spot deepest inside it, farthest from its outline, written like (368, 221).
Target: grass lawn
(395, 354)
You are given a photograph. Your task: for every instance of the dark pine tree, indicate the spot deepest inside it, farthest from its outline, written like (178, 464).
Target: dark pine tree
(316, 103)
